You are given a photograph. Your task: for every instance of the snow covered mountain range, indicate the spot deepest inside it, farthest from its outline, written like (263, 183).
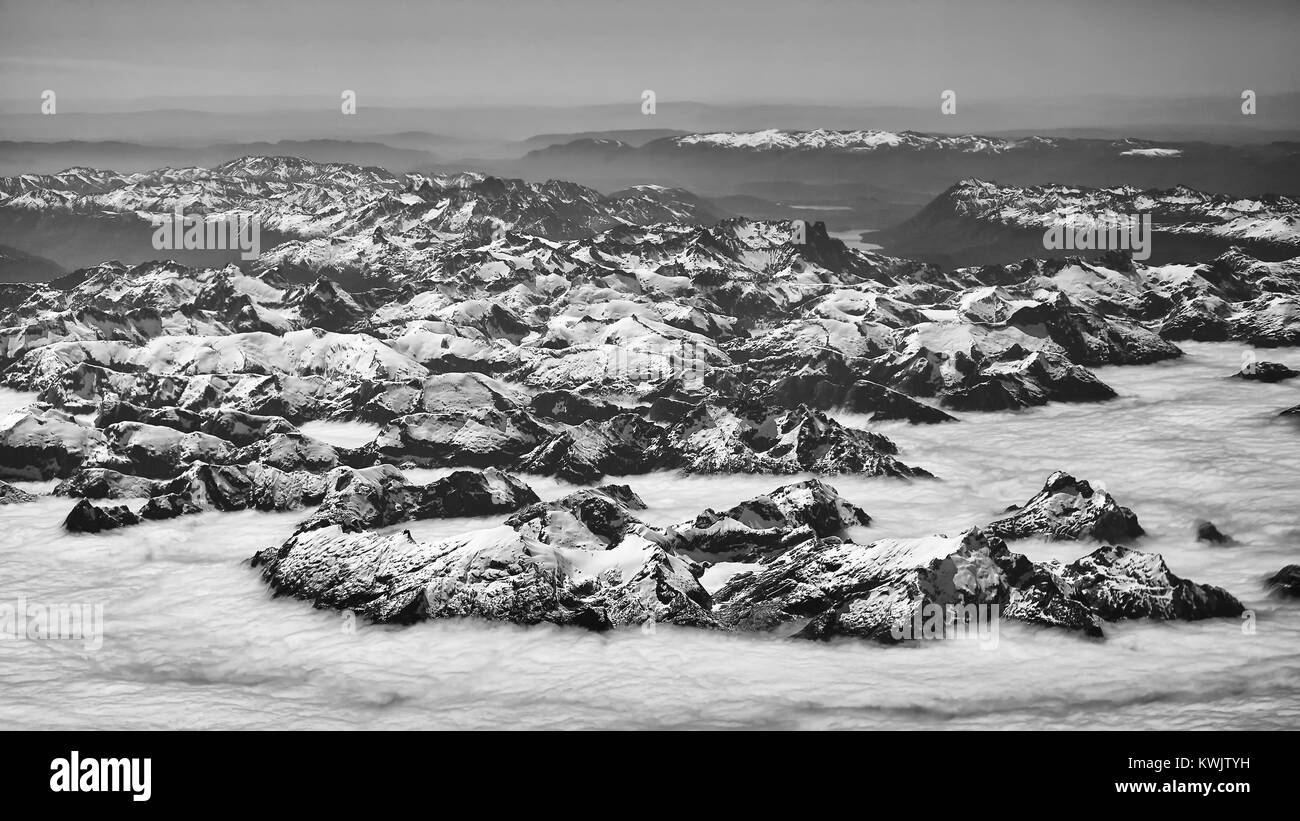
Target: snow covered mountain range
(978, 222)
(505, 330)
(82, 216)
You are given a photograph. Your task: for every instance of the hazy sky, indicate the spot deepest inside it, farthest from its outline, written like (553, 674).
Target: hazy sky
(561, 52)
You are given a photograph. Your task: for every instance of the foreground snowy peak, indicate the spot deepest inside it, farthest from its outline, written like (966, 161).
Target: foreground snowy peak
(588, 560)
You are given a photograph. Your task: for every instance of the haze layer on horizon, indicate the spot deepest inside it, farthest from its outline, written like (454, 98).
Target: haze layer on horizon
(590, 52)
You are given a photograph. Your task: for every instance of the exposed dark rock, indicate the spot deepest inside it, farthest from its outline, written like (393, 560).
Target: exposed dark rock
(240, 428)
(1266, 372)
(204, 487)
(767, 525)
(86, 518)
(298, 451)
(623, 445)
(379, 496)
(158, 452)
(573, 520)
(828, 587)
(583, 559)
(325, 304)
(168, 506)
(1285, 582)
(102, 483)
(625, 339)
(573, 409)
(818, 379)
(979, 367)
(1207, 532)
(1045, 597)
(885, 403)
(113, 410)
(242, 487)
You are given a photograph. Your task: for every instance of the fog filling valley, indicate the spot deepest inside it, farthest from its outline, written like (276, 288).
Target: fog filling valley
(195, 640)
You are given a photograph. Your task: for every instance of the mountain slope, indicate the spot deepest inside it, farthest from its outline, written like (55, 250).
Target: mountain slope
(978, 223)
(82, 216)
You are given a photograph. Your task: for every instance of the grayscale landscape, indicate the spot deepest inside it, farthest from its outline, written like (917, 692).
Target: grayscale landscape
(659, 366)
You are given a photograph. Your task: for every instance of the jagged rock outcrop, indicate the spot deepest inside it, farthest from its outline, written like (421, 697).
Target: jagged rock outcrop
(583, 559)
(157, 452)
(1285, 582)
(884, 404)
(1269, 321)
(765, 526)
(587, 559)
(10, 495)
(379, 496)
(573, 409)
(46, 443)
(1266, 372)
(828, 587)
(622, 445)
(1207, 532)
(751, 439)
(85, 517)
(481, 437)
(1069, 508)
(103, 483)
(1120, 583)
(498, 573)
(298, 451)
(596, 518)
